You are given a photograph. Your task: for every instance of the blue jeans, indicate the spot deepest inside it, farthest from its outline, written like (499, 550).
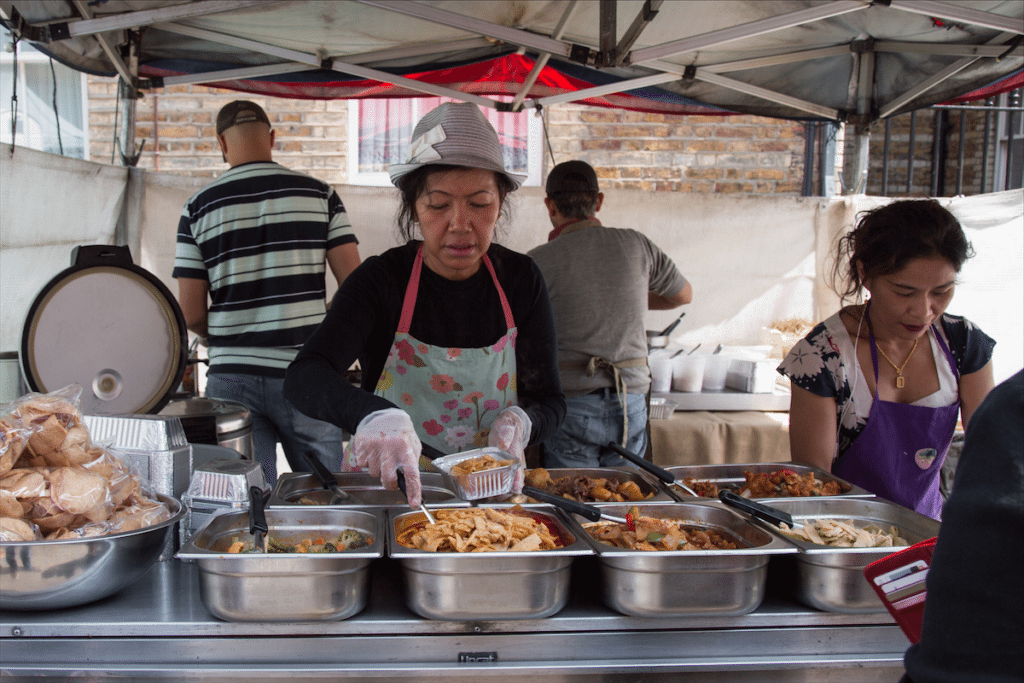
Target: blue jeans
(275, 419)
(591, 421)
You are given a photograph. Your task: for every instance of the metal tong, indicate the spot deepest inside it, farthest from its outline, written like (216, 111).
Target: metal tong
(755, 509)
(659, 472)
(258, 519)
(423, 508)
(329, 482)
(594, 514)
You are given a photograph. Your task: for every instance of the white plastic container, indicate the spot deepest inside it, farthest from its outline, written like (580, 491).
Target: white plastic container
(715, 372)
(688, 372)
(661, 372)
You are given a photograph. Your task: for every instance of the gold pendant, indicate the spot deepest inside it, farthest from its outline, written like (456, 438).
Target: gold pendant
(899, 382)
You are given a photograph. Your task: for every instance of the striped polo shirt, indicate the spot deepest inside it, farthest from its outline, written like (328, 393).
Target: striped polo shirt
(259, 235)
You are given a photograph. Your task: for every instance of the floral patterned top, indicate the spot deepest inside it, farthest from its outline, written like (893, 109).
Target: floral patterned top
(825, 364)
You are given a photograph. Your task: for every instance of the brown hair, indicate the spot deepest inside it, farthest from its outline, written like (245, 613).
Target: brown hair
(888, 237)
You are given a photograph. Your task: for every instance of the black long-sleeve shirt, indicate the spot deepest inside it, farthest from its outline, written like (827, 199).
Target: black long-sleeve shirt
(364, 315)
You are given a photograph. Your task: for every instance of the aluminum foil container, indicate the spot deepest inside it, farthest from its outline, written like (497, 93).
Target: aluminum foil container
(484, 483)
(673, 583)
(832, 579)
(646, 484)
(41, 575)
(154, 445)
(491, 585)
(302, 489)
(731, 476)
(284, 586)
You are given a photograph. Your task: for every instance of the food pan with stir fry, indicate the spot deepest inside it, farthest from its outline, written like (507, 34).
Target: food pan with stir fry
(315, 567)
(836, 539)
(678, 559)
(302, 489)
(761, 480)
(490, 562)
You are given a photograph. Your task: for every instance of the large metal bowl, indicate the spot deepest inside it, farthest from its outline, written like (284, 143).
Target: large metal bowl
(489, 585)
(284, 586)
(39, 575)
(671, 583)
(832, 579)
(302, 489)
(731, 475)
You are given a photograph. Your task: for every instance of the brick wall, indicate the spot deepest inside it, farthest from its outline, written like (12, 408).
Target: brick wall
(699, 154)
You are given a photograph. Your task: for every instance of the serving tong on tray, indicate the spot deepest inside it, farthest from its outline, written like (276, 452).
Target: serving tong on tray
(660, 472)
(258, 518)
(329, 482)
(594, 514)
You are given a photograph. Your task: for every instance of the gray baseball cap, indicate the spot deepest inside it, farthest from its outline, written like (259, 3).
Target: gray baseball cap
(239, 112)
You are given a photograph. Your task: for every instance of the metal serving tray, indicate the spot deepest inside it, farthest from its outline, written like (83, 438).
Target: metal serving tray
(832, 579)
(673, 583)
(284, 586)
(293, 487)
(731, 475)
(490, 585)
(622, 474)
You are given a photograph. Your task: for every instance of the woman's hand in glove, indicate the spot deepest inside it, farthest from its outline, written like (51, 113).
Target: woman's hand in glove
(510, 432)
(384, 441)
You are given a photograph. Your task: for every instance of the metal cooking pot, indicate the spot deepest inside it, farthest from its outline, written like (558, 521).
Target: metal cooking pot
(214, 421)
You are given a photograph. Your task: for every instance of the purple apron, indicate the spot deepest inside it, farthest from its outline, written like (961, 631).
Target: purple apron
(899, 454)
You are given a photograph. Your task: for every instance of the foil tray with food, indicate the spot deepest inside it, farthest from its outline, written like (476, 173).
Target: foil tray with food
(302, 489)
(837, 538)
(597, 485)
(315, 566)
(760, 481)
(494, 562)
(681, 559)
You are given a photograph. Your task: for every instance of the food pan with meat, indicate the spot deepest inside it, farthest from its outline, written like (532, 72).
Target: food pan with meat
(596, 485)
(681, 559)
(761, 480)
(491, 562)
(838, 537)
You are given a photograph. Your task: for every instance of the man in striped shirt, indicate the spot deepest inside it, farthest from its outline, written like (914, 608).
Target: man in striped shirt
(250, 265)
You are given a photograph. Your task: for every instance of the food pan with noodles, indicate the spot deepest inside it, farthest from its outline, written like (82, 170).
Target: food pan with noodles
(597, 485)
(761, 480)
(829, 576)
(316, 567)
(37, 575)
(302, 489)
(681, 559)
(494, 562)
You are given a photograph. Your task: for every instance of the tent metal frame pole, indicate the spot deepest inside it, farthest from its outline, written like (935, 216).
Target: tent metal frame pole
(135, 20)
(542, 59)
(929, 8)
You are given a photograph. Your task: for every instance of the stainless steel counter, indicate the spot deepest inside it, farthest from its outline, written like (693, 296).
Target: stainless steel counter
(159, 630)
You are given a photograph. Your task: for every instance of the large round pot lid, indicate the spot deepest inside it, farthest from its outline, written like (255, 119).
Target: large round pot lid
(112, 328)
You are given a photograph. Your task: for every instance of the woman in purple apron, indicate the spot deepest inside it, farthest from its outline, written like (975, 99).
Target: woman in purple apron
(453, 333)
(878, 387)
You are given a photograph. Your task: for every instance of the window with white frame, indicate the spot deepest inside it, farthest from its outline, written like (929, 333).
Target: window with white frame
(379, 131)
(51, 109)
(1009, 171)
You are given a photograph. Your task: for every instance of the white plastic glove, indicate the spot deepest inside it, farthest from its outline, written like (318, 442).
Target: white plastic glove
(510, 432)
(384, 441)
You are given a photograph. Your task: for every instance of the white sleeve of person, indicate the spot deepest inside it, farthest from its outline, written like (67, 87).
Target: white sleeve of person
(510, 432)
(384, 441)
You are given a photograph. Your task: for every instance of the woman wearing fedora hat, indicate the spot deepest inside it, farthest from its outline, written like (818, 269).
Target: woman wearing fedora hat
(454, 333)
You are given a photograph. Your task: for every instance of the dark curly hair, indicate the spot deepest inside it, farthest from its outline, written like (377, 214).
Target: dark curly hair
(414, 184)
(888, 237)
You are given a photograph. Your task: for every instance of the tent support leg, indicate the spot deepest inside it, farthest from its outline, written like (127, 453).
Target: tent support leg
(855, 162)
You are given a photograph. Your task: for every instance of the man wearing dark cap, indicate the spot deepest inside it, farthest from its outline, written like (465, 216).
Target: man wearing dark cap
(250, 264)
(601, 282)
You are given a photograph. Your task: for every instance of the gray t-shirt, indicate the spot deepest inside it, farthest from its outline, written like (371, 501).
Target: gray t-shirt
(598, 279)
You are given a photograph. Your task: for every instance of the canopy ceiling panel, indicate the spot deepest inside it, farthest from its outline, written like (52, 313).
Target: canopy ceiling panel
(846, 60)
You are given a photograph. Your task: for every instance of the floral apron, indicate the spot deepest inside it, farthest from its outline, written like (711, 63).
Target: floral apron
(899, 454)
(452, 394)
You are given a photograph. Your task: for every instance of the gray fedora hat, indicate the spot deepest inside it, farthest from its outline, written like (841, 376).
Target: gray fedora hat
(454, 134)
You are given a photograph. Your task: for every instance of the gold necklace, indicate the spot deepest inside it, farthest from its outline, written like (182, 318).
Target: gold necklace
(900, 382)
